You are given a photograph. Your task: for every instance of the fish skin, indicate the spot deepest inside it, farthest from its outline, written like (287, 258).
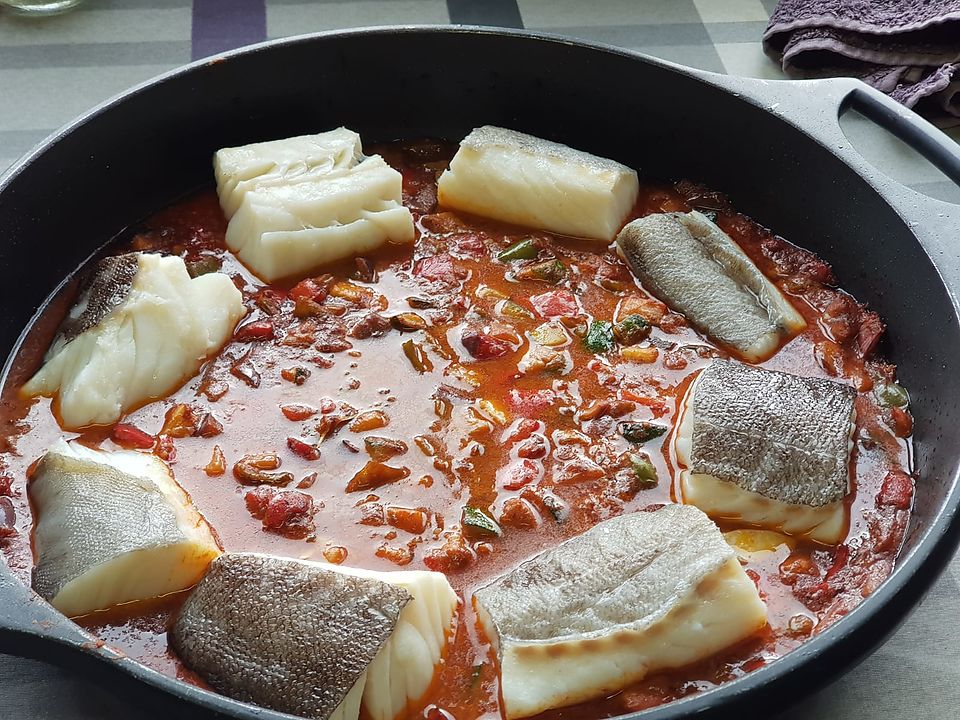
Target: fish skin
(635, 594)
(105, 288)
(284, 634)
(779, 435)
(90, 513)
(576, 580)
(698, 270)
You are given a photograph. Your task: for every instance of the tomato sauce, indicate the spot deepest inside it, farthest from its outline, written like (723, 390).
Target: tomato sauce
(389, 389)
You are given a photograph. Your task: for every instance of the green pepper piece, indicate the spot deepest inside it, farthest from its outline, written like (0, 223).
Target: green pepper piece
(511, 309)
(641, 432)
(203, 265)
(631, 330)
(476, 523)
(892, 395)
(417, 357)
(599, 337)
(644, 472)
(549, 271)
(523, 250)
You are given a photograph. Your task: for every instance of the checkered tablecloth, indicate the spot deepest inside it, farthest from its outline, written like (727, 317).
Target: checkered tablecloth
(55, 68)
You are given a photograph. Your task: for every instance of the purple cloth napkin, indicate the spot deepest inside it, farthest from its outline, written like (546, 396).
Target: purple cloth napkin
(909, 49)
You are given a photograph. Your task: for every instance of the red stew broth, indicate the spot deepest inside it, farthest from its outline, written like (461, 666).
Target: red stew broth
(461, 451)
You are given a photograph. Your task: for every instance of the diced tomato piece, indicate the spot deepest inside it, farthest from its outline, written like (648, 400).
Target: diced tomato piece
(303, 449)
(902, 422)
(255, 331)
(179, 422)
(315, 289)
(371, 513)
(531, 403)
(257, 499)
(896, 490)
(297, 412)
(439, 268)
(165, 449)
(453, 556)
(287, 508)
(396, 555)
(327, 405)
(870, 332)
(470, 245)
(6, 482)
(524, 428)
(519, 514)
(533, 448)
(8, 518)
(519, 474)
(129, 436)
(483, 346)
(208, 426)
(411, 520)
(555, 303)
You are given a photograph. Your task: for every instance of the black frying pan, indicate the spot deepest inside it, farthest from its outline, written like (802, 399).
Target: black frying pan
(775, 148)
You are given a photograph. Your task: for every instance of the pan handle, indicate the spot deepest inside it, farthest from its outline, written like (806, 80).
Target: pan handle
(815, 108)
(30, 627)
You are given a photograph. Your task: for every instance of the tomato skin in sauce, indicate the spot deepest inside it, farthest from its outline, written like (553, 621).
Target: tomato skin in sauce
(385, 403)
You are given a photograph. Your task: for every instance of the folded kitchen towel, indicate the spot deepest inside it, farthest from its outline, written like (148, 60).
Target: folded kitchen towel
(909, 49)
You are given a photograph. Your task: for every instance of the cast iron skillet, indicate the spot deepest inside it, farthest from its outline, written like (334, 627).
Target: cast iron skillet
(775, 147)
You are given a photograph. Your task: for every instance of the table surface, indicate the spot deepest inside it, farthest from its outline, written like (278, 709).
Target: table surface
(55, 68)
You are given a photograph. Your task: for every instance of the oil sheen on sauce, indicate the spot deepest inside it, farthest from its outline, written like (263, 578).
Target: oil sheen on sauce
(465, 443)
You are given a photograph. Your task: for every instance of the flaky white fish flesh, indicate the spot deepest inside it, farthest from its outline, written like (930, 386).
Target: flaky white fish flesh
(111, 528)
(698, 270)
(298, 203)
(518, 178)
(634, 595)
(400, 675)
(768, 449)
(140, 328)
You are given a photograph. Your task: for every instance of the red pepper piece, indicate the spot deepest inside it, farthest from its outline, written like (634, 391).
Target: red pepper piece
(128, 436)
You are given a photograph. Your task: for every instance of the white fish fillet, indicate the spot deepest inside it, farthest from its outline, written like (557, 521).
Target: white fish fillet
(522, 179)
(404, 668)
(781, 509)
(163, 326)
(697, 269)
(281, 162)
(113, 527)
(301, 202)
(634, 595)
(285, 634)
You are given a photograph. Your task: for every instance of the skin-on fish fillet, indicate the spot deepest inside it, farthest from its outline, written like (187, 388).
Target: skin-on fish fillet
(112, 527)
(636, 594)
(522, 179)
(768, 448)
(286, 634)
(698, 270)
(298, 203)
(140, 328)
(379, 635)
